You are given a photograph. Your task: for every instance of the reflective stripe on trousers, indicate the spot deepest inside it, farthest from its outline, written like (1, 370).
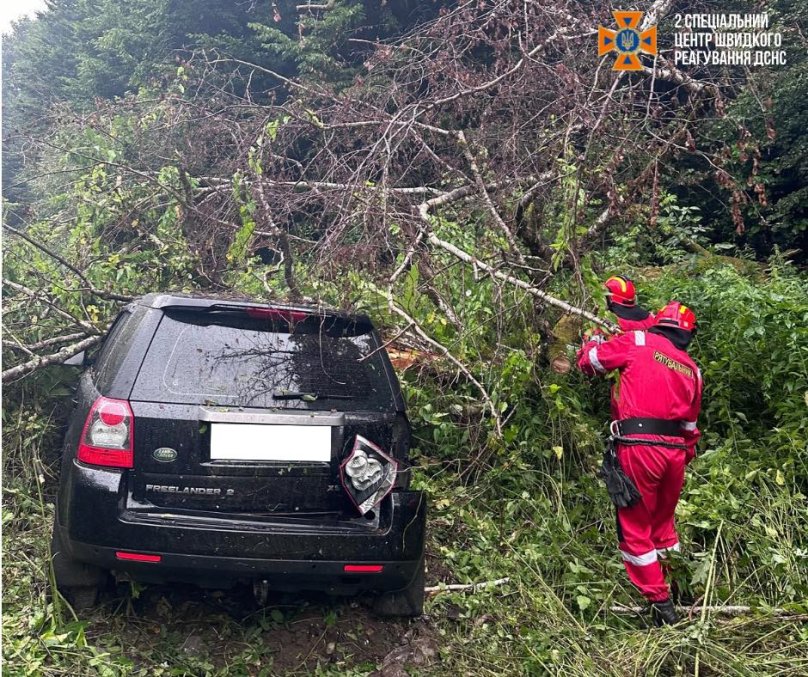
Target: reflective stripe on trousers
(646, 530)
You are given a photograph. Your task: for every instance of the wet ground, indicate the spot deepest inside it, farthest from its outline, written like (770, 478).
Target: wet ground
(186, 630)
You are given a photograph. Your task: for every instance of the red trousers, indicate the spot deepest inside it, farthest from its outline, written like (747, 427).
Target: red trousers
(646, 530)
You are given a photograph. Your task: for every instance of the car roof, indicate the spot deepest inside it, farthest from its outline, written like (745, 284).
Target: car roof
(175, 299)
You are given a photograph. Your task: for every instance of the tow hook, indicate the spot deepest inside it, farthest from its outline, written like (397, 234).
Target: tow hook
(261, 592)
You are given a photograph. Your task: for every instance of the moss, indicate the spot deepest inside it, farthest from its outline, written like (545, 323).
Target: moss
(567, 331)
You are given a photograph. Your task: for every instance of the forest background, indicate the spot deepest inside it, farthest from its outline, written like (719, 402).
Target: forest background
(467, 173)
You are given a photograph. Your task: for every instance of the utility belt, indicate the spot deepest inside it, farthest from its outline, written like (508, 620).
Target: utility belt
(622, 490)
(648, 426)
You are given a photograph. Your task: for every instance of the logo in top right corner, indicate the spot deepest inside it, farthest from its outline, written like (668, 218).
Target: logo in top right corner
(627, 41)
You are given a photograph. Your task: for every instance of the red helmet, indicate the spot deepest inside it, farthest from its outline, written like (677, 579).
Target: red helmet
(676, 315)
(621, 290)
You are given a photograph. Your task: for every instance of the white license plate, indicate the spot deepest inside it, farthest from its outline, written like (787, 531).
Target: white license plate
(252, 442)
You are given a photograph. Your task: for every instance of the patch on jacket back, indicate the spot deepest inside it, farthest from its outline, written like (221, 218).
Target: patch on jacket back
(673, 364)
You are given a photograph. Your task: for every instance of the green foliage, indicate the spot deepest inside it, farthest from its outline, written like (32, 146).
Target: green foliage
(752, 346)
(122, 230)
(551, 535)
(528, 506)
(80, 51)
(85, 48)
(762, 142)
(677, 227)
(565, 212)
(112, 193)
(243, 236)
(315, 52)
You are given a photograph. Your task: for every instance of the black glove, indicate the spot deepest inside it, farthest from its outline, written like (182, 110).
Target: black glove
(622, 490)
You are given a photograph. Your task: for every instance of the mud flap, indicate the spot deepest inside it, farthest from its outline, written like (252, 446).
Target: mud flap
(408, 602)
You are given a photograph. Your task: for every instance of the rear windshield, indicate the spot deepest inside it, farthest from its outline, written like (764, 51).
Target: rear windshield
(237, 361)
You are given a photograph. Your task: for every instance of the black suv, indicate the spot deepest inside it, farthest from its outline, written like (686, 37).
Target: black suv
(218, 441)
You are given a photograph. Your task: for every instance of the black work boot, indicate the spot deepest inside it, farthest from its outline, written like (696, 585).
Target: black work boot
(664, 613)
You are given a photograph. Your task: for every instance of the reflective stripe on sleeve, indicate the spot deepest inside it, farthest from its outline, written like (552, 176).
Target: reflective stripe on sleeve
(690, 426)
(594, 361)
(640, 560)
(639, 338)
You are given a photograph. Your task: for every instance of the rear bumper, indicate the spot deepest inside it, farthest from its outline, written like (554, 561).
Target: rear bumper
(94, 526)
(224, 572)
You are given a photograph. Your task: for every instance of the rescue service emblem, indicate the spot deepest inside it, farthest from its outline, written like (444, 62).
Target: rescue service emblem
(627, 41)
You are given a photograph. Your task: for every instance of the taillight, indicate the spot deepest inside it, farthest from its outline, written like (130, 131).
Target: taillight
(138, 557)
(367, 474)
(106, 439)
(282, 314)
(363, 568)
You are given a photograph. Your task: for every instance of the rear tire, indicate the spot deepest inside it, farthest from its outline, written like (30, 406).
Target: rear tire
(78, 582)
(81, 598)
(408, 602)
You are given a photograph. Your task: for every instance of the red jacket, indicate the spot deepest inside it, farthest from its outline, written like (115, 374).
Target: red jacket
(630, 318)
(632, 325)
(657, 380)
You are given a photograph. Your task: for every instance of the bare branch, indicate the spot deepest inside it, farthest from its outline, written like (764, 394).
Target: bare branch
(110, 296)
(445, 352)
(519, 64)
(40, 296)
(16, 344)
(435, 296)
(510, 279)
(45, 360)
(44, 343)
(313, 6)
(670, 73)
(718, 609)
(283, 241)
(478, 177)
(600, 223)
(423, 211)
(656, 12)
(226, 185)
(386, 344)
(464, 587)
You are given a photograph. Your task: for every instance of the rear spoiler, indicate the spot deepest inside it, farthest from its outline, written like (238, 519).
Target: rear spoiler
(279, 318)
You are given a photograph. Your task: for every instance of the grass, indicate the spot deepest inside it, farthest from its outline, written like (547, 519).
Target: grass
(554, 618)
(543, 523)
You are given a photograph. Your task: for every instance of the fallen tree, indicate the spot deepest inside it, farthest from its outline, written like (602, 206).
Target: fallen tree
(516, 146)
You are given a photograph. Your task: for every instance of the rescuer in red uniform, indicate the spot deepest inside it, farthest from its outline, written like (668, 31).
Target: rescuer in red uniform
(621, 298)
(656, 405)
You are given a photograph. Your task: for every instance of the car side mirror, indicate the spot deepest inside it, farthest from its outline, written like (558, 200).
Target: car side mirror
(78, 360)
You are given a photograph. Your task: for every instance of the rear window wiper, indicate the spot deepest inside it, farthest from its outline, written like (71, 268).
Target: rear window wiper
(309, 397)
